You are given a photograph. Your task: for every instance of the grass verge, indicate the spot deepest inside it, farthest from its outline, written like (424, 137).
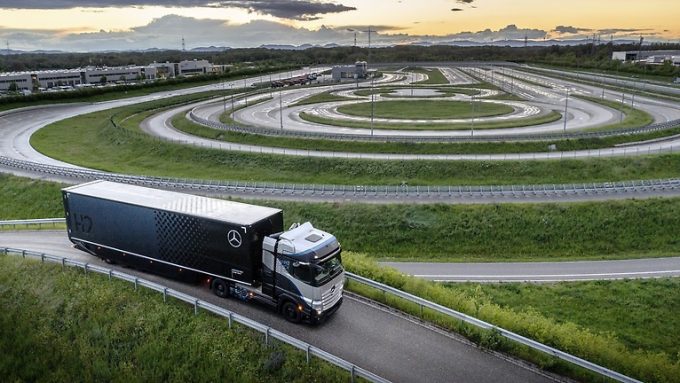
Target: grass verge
(594, 344)
(434, 76)
(633, 117)
(639, 313)
(547, 118)
(321, 97)
(90, 140)
(184, 125)
(425, 109)
(510, 232)
(68, 326)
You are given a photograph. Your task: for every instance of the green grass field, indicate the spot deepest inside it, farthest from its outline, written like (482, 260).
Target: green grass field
(58, 326)
(633, 117)
(320, 98)
(434, 75)
(182, 124)
(568, 231)
(547, 118)
(615, 324)
(639, 313)
(426, 109)
(91, 141)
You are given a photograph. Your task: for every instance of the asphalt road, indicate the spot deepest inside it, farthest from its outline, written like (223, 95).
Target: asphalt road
(382, 342)
(541, 271)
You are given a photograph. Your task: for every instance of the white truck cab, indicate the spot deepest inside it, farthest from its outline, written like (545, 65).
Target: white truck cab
(302, 271)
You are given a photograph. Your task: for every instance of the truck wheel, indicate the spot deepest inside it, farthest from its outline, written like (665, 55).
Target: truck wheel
(220, 288)
(290, 312)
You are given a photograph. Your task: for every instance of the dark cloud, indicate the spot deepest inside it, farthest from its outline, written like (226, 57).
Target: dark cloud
(464, 1)
(295, 9)
(569, 29)
(456, 9)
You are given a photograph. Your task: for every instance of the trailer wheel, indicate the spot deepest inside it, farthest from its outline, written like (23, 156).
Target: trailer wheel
(220, 288)
(290, 312)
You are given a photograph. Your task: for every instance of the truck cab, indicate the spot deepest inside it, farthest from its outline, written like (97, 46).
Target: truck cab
(302, 271)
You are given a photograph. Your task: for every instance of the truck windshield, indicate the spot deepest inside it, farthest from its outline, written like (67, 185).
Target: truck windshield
(314, 274)
(327, 270)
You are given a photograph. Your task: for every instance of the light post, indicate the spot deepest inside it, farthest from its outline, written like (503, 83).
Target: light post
(232, 97)
(472, 107)
(224, 97)
(623, 102)
(566, 109)
(370, 31)
(245, 92)
(281, 108)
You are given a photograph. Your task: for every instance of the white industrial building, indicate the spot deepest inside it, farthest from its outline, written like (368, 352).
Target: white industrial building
(356, 71)
(194, 67)
(23, 81)
(648, 57)
(47, 79)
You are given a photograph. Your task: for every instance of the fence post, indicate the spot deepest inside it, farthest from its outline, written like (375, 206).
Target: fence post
(165, 294)
(266, 336)
(135, 283)
(353, 373)
(308, 346)
(195, 306)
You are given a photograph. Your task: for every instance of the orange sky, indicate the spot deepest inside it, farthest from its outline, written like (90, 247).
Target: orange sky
(408, 16)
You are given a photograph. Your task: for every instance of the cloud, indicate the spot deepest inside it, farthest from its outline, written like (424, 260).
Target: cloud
(562, 29)
(456, 9)
(510, 32)
(364, 28)
(297, 10)
(613, 31)
(464, 1)
(294, 9)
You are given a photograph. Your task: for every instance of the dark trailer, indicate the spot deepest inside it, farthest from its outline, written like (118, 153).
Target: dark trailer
(174, 234)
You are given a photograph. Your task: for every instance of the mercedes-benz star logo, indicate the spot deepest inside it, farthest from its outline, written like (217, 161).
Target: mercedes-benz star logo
(234, 238)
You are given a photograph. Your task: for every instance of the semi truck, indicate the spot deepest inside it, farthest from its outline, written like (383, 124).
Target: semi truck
(240, 250)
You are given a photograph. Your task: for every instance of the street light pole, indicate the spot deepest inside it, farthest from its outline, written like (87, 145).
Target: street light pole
(566, 109)
(472, 107)
(281, 108)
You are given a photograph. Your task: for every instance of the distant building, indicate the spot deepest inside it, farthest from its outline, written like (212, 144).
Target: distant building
(356, 71)
(81, 77)
(194, 67)
(648, 57)
(22, 80)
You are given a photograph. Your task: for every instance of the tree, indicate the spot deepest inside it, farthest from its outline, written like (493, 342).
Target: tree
(13, 87)
(102, 80)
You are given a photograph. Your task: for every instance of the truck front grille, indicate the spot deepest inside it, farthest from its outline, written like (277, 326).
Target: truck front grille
(331, 297)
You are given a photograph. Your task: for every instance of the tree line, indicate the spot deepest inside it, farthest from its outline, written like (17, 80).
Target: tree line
(587, 56)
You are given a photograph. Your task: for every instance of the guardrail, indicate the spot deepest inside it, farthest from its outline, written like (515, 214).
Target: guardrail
(406, 138)
(396, 193)
(269, 333)
(32, 222)
(488, 326)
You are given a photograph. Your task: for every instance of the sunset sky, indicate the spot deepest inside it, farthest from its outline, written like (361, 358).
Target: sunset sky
(140, 24)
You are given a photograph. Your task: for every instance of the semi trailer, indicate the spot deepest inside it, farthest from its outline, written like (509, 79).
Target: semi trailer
(240, 250)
